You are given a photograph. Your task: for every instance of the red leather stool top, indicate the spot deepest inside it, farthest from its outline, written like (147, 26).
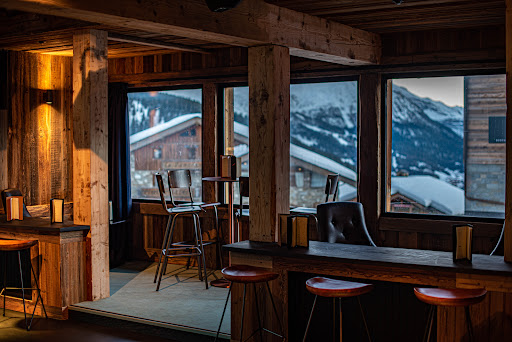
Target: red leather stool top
(248, 274)
(16, 245)
(450, 297)
(326, 287)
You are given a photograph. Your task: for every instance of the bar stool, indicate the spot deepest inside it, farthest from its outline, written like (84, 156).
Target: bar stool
(336, 289)
(449, 297)
(18, 246)
(245, 274)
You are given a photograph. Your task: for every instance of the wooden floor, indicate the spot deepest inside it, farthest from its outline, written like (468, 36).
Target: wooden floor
(12, 328)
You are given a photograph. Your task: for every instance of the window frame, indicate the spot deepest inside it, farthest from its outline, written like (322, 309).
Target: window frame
(165, 88)
(404, 222)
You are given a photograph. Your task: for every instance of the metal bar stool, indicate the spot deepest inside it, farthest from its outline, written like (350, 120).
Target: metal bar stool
(449, 297)
(18, 246)
(245, 274)
(336, 289)
(185, 249)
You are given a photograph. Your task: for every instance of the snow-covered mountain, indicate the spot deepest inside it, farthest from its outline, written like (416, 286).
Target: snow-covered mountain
(427, 135)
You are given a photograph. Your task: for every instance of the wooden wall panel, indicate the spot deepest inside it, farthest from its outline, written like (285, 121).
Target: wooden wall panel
(40, 134)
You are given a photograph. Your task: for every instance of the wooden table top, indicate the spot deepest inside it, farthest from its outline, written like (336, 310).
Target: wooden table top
(41, 224)
(385, 256)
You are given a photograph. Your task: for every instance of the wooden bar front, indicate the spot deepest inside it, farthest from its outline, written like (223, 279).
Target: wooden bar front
(58, 260)
(492, 319)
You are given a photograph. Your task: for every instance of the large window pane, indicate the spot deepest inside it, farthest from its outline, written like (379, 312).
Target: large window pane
(323, 137)
(165, 134)
(448, 146)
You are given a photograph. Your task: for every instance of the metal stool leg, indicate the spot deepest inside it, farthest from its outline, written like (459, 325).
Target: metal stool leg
(364, 319)
(309, 320)
(164, 243)
(430, 321)
(223, 312)
(469, 325)
(169, 241)
(243, 313)
(196, 239)
(5, 277)
(219, 238)
(23, 291)
(260, 328)
(199, 231)
(275, 311)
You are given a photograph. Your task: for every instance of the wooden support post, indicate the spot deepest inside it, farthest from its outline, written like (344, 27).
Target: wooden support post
(4, 139)
(370, 149)
(209, 143)
(229, 120)
(90, 153)
(269, 139)
(508, 188)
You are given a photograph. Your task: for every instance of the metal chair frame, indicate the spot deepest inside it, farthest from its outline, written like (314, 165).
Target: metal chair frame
(335, 321)
(28, 324)
(260, 329)
(183, 179)
(195, 248)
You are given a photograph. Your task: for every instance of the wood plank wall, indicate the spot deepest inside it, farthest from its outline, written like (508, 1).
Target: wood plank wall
(39, 135)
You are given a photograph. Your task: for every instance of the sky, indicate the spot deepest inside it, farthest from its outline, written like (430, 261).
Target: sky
(449, 90)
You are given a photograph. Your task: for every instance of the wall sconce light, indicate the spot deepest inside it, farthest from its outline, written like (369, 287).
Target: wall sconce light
(48, 96)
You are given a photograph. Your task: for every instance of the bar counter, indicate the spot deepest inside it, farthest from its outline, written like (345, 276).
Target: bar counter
(397, 268)
(58, 260)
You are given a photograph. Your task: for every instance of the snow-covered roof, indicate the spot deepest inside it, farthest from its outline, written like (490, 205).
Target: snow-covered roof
(151, 135)
(430, 192)
(306, 155)
(425, 190)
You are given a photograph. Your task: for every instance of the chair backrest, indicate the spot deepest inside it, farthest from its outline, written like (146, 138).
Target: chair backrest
(14, 192)
(331, 187)
(343, 222)
(161, 189)
(179, 179)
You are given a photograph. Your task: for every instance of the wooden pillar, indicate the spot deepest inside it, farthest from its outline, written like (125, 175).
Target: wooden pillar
(90, 153)
(4, 183)
(508, 189)
(229, 121)
(209, 143)
(370, 149)
(269, 139)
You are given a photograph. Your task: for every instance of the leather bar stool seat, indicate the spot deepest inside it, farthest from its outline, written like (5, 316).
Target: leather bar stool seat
(18, 246)
(449, 297)
(245, 274)
(248, 274)
(336, 289)
(326, 287)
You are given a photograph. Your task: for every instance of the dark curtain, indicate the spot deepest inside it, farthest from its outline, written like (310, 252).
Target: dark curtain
(119, 172)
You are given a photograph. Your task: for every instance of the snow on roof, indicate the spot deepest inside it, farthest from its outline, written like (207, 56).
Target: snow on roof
(307, 156)
(346, 192)
(149, 135)
(430, 191)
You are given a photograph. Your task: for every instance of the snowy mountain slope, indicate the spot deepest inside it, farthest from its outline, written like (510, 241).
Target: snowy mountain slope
(427, 135)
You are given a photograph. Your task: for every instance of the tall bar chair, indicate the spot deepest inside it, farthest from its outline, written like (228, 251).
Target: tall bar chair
(449, 297)
(243, 184)
(184, 248)
(182, 179)
(18, 246)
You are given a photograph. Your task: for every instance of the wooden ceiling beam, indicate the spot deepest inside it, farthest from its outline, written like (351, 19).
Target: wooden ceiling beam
(252, 23)
(155, 43)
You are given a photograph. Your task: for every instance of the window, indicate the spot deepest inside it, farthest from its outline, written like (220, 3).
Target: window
(323, 140)
(323, 129)
(236, 129)
(165, 129)
(447, 153)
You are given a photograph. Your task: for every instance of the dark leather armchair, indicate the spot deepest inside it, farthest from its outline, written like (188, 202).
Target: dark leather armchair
(14, 192)
(343, 222)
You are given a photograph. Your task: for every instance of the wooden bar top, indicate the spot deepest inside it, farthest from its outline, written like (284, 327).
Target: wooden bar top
(384, 256)
(40, 224)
